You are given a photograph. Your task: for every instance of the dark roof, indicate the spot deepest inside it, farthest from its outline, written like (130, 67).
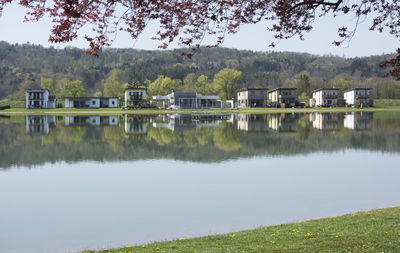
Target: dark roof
(90, 97)
(260, 89)
(145, 89)
(358, 89)
(325, 89)
(180, 93)
(281, 89)
(37, 89)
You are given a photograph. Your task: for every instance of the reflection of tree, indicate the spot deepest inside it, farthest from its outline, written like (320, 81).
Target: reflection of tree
(68, 135)
(203, 134)
(113, 136)
(190, 138)
(162, 136)
(302, 129)
(226, 137)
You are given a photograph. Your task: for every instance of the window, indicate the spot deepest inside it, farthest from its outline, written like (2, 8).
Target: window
(93, 102)
(113, 102)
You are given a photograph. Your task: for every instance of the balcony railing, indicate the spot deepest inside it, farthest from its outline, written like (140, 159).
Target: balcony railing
(362, 96)
(330, 96)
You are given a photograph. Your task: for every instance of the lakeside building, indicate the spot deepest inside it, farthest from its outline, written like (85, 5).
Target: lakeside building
(91, 102)
(39, 99)
(325, 121)
(282, 97)
(37, 125)
(251, 97)
(135, 97)
(325, 97)
(358, 97)
(91, 121)
(186, 100)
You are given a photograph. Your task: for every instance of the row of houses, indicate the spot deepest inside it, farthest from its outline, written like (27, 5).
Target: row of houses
(247, 97)
(285, 97)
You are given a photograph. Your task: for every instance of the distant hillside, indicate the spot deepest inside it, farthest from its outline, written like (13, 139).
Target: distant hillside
(19, 63)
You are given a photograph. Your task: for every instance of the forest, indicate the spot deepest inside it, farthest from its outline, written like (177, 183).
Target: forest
(70, 72)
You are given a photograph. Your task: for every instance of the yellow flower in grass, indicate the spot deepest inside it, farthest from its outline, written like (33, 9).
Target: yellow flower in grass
(273, 234)
(309, 234)
(234, 235)
(294, 230)
(157, 248)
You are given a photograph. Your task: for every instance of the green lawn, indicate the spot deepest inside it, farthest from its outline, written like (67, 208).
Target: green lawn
(380, 105)
(370, 231)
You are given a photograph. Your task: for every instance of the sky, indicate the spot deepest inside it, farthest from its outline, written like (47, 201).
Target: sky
(250, 37)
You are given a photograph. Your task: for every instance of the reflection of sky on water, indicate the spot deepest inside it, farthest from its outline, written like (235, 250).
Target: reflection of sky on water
(63, 207)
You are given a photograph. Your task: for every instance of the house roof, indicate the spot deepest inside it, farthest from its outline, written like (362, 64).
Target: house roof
(357, 89)
(281, 89)
(90, 97)
(36, 90)
(325, 89)
(133, 89)
(246, 89)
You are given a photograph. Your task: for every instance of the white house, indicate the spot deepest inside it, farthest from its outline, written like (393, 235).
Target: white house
(135, 97)
(39, 99)
(187, 100)
(39, 125)
(325, 97)
(91, 102)
(325, 121)
(358, 97)
(357, 121)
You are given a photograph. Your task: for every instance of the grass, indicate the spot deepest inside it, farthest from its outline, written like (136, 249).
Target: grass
(380, 105)
(369, 231)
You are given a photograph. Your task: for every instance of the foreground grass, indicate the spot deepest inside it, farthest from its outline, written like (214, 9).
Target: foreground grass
(370, 231)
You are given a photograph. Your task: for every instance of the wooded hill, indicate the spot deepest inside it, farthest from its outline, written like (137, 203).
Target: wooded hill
(26, 66)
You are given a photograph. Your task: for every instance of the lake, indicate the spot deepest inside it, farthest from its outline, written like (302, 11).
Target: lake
(70, 183)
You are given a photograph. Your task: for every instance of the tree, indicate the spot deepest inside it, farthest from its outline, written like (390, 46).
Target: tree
(227, 83)
(341, 84)
(75, 89)
(163, 86)
(47, 83)
(113, 87)
(189, 21)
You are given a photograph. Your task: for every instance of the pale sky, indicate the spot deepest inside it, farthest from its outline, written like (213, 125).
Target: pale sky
(250, 37)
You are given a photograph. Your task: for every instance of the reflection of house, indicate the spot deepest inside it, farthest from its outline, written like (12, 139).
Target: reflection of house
(135, 124)
(325, 121)
(187, 100)
(176, 122)
(357, 121)
(325, 97)
(91, 102)
(282, 122)
(39, 99)
(358, 97)
(282, 97)
(135, 97)
(251, 97)
(39, 125)
(252, 122)
(91, 121)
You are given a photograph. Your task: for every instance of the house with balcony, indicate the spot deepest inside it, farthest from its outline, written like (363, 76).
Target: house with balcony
(358, 97)
(325, 121)
(39, 99)
(37, 125)
(91, 102)
(282, 97)
(187, 100)
(135, 97)
(325, 97)
(251, 97)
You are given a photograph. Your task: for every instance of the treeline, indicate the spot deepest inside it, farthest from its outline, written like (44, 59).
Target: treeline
(69, 72)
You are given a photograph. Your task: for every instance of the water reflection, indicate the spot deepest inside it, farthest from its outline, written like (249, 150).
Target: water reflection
(191, 137)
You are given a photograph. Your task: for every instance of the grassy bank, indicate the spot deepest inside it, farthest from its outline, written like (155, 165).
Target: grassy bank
(370, 231)
(380, 105)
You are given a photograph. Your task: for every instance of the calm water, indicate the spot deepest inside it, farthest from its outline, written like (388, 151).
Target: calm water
(73, 183)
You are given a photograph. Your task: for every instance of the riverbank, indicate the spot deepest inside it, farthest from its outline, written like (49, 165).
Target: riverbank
(118, 111)
(380, 105)
(369, 231)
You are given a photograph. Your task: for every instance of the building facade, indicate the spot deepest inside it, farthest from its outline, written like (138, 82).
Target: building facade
(325, 97)
(251, 97)
(187, 100)
(282, 97)
(91, 102)
(358, 97)
(135, 97)
(39, 99)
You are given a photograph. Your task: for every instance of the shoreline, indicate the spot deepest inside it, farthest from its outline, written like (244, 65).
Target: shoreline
(365, 231)
(63, 111)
